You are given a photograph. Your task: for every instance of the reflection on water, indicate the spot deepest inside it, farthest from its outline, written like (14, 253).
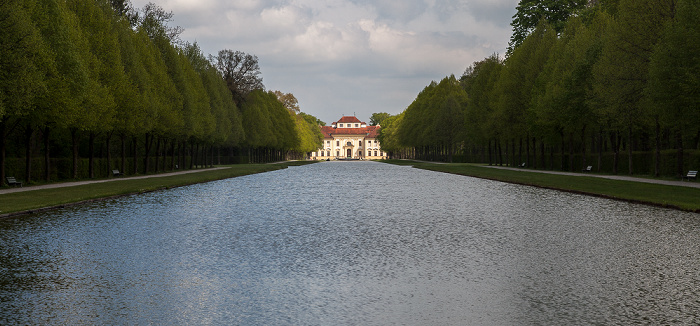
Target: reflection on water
(353, 243)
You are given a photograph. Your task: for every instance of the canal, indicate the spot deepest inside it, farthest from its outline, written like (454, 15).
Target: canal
(352, 243)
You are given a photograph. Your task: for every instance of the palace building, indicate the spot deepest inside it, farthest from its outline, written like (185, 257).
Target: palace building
(349, 138)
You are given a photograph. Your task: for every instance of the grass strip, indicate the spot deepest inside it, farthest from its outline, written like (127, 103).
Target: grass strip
(682, 198)
(19, 203)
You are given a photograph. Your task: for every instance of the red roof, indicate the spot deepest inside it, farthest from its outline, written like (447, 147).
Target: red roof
(369, 131)
(349, 120)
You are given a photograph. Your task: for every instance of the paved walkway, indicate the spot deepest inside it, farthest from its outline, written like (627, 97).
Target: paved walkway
(693, 184)
(78, 183)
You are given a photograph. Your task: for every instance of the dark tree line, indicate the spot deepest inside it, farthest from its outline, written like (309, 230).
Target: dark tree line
(97, 85)
(614, 85)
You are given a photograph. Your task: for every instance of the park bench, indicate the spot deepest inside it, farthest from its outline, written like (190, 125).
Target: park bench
(588, 169)
(11, 181)
(691, 174)
(523, 165)
(116, 173)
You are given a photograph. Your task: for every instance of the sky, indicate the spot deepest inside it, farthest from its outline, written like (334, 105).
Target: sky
(349, 57)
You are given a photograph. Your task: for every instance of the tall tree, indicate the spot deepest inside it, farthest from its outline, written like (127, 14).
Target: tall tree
(622, 72)
(289, 101)
(673, 77)
(376, 119)
(530, 13)
(240, 71)
(22, 56)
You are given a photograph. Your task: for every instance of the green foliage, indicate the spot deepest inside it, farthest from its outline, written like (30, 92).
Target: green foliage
(674, 69)
(72, 67)
(531, 13)
(378, 118)
(618, 75)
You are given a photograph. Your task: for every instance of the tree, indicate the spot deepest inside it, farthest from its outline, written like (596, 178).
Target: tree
(240, 71)
(516, 83)
(289, 101)
(377, 118)
(621, 74)
(673, 84)
(312, 120)
(562, 97)
(479, 82)
(22, 56)
(155, 21)
(530, 13)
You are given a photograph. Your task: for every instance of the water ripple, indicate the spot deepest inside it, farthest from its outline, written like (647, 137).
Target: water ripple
(352, 243)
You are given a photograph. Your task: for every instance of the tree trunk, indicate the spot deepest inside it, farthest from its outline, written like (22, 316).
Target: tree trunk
(29, 134)
(657, 149)
(47, 154)
(583, 148)
(500, 152)
(172, 154)
(534, 152)
(134, 142)
(192, 156)
(109, 152)
(629, 148)
(520, 150)
(571, 152)
(74, 142)
(615, 143)
(122, 138)
(3, 140)
(679, 157)
(490, 152)
(91, 160)
(600, 149)
(148, 144)
(562, 159)
(157, 165)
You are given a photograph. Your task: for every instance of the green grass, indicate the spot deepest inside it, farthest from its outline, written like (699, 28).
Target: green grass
(33, 200)
(683, 198)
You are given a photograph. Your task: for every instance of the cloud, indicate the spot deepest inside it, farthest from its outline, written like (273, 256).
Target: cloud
(344, 56)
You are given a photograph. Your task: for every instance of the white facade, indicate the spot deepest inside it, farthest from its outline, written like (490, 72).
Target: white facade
(349, 138)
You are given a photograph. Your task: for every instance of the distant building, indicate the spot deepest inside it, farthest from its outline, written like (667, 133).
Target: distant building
(349, 138)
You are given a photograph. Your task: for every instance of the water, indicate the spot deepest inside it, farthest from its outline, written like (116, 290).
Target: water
(352, 243)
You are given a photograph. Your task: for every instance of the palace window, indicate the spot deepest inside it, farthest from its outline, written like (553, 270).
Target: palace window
(349, 143)
(357, 125)
(337, 143)
(375, 153)
(341, 125)
(360, 142)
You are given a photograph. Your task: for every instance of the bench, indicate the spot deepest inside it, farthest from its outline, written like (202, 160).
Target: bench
(588, 169)
(11, 181)
(116, 173)
(523, 165)
(691, 174)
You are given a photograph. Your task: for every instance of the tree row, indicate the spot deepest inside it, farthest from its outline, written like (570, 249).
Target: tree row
(613, 80)
(80, 77)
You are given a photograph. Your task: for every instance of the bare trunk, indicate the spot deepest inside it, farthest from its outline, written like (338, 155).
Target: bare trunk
(29, 134)
(47, 154)
(74, 142)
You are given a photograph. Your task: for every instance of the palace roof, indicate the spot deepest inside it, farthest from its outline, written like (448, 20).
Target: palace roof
(349, 120)
(369, 131)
